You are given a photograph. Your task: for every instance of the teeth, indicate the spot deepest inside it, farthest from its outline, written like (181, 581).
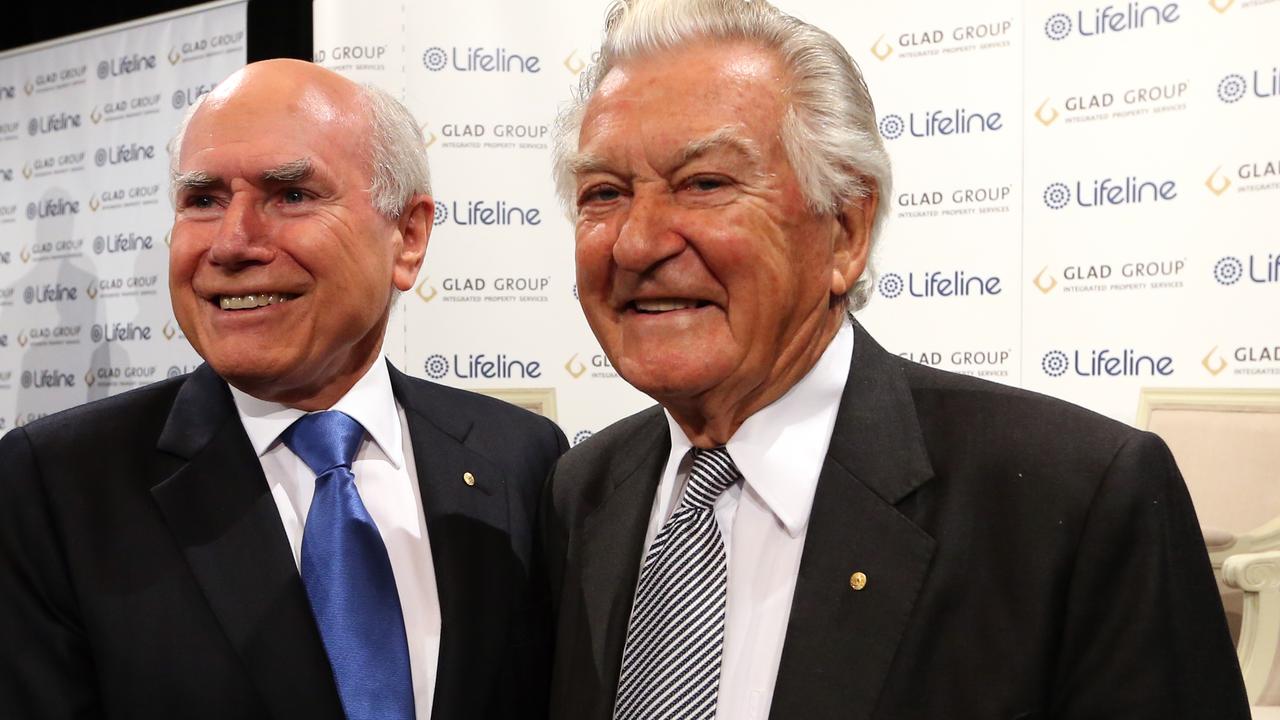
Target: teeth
(664, 305)
(248, 302)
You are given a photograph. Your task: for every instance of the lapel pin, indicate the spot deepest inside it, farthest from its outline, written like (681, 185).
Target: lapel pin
(858, 580)
(469, 479)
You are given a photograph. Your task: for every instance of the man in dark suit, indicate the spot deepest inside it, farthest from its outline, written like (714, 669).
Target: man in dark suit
(809, 526)
(295, 529)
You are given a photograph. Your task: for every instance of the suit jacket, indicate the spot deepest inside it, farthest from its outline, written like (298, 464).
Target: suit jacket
(145, 573)
(1025, 558)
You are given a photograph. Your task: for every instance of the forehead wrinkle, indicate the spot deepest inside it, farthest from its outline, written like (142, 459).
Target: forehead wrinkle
(727, 138)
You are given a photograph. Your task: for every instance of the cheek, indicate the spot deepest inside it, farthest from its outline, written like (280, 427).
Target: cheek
(593, 255)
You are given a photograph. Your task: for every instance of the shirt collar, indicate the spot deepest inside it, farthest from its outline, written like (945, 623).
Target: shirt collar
(781, 448)
(370, 402)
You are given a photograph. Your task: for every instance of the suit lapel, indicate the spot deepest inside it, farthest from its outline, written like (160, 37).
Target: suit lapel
(475, 565)
(840, 642)
(609, 551)
(212, 493)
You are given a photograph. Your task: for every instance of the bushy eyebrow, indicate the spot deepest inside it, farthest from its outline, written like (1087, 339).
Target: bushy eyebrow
(289, 172)
(726, 138)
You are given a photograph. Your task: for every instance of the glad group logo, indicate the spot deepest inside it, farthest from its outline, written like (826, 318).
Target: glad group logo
(1110, 20)
(1106, 362)
(480, 59)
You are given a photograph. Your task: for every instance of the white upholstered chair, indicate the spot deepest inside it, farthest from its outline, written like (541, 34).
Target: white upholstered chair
(1227, 444)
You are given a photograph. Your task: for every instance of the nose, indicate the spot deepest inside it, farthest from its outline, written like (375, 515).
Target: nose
(648, 236)
(241, 237)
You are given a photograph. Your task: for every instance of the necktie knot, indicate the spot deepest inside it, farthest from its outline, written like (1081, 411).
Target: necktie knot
(712, 473)
(324, 440)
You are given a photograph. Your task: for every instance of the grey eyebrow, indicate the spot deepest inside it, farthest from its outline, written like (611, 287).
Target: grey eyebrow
(726, 137)
(193, 180)
(290, 172)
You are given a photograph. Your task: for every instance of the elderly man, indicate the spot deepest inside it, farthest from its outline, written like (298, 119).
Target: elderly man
(809, 526)
(296, 529)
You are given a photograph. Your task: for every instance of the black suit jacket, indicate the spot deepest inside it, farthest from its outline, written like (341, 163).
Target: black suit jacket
(145, 573)
(1025, 559)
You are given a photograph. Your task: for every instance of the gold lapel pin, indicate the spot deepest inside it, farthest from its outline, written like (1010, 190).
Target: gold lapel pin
(469, 479)
(858, 580)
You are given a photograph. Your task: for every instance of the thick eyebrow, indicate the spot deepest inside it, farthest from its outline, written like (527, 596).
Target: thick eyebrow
(726, 138)
(194, 180)
(290, 172)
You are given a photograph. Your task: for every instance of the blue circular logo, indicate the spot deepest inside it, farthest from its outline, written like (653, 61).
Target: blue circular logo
(580, 436)
(890, 285)
(1228, 270)
(1057, 195)
(1232, 87)
(1054, 363)
(179, 99)
(95, 333)
(33, 126)
(31, 211)
(104, 69)
(174, 371)
(26, 378)
(891, 126)
(441, 214)
(100, 157)
(1058, 26)
(99, 245)
(575, 292)
(435, 59)
(29, 295)
(436, 366)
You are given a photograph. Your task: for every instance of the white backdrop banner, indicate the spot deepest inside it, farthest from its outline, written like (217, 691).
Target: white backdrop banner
(1083, 202)
(84, 208)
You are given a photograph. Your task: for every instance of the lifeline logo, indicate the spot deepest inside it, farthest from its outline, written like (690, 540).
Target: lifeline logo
(938, 284)
(1109, 19)
(47, 379)
(1235, 87)
(485, 212)
(481, 367)
(1106, 362)
(122, 153)
(940, 123)
(479, 59)
(1108, 191)
(53, 122)
(1230, 269)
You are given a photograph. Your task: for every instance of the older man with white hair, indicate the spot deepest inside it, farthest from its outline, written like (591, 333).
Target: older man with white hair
(295, 529)
(809, 526)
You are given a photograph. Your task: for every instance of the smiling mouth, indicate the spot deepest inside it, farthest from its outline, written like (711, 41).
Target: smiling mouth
(663, 305)
(251, 301)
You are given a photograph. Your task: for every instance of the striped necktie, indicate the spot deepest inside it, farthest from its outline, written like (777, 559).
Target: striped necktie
(671, 662)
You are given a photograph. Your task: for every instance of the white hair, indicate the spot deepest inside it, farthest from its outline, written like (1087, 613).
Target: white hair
(395, 149)
(829, 129)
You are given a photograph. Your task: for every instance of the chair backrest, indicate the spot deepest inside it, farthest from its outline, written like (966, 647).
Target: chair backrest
(1227, 444)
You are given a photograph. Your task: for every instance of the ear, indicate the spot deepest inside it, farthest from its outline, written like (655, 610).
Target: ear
(414, 230)
(853, 239)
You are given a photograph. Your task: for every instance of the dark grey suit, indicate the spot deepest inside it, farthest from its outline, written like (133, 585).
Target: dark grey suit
(1025, 559)
(145, 572)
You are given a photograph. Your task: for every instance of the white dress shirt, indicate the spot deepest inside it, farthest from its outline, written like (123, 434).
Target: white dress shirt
(763, 519)
(388, 484)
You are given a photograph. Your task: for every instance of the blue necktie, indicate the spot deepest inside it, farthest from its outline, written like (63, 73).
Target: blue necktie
(348, 576)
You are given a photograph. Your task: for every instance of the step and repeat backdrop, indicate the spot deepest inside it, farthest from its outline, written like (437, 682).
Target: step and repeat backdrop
(1084, 201)
(84, 206)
